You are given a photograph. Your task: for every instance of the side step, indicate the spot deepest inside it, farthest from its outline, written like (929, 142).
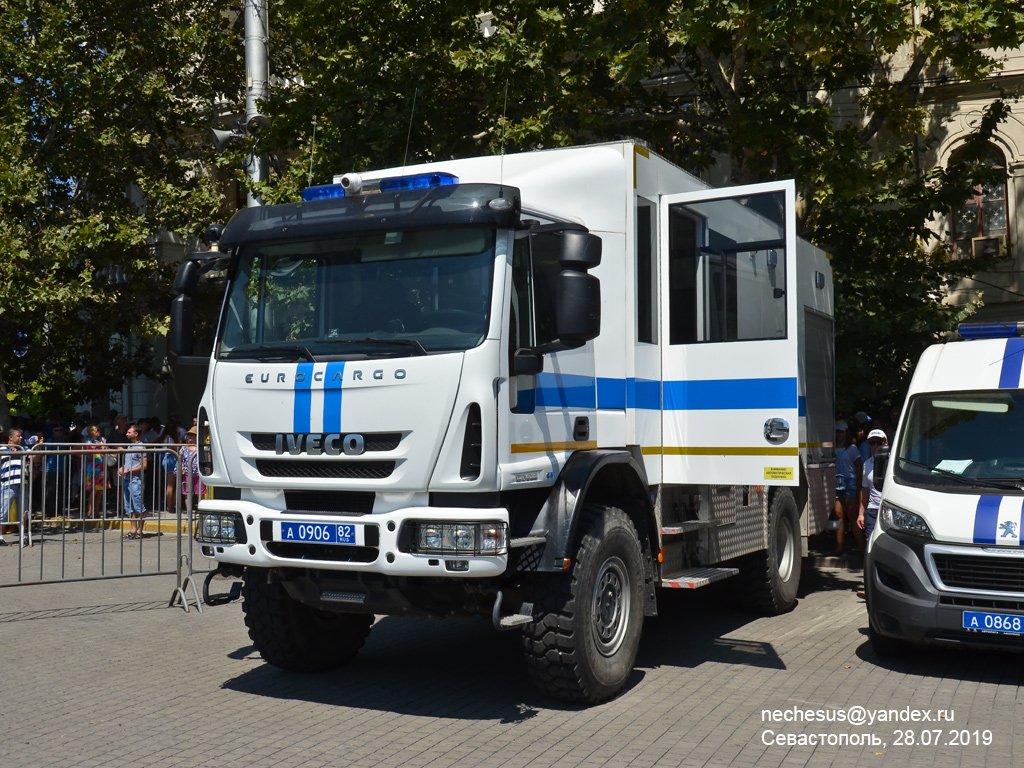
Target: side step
(692, 578)
(691, 525)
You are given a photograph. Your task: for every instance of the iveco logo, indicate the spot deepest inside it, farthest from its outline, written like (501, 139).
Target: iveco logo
(315, 444)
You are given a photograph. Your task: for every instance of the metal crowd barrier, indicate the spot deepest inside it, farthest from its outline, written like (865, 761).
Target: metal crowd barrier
(69, 520)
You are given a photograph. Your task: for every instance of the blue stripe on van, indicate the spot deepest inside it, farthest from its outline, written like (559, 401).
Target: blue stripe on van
(986, 519)
(1009, 374)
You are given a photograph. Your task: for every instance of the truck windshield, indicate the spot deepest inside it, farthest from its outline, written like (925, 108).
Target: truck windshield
(963, 441)
(375, 294)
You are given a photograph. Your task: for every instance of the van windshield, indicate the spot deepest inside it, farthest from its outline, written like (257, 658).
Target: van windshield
(963, 441)
(374, 294)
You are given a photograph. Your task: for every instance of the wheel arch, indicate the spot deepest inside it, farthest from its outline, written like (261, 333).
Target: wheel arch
(611, 477)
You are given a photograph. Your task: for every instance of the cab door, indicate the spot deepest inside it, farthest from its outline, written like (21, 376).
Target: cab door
(730, 405)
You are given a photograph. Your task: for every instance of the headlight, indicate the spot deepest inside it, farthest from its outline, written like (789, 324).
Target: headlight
(438, 538)
(904, 521)
(220, 528)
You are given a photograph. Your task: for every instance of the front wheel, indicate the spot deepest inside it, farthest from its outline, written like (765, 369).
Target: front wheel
(584, 639)
(294, 636)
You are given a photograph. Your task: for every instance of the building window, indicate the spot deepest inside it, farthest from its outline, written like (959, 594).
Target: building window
(980, 224)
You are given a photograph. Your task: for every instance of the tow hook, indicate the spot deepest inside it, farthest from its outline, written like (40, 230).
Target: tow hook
(512, 620)
(222, 599)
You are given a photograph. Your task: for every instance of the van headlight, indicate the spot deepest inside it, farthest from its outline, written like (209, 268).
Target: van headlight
(890, 517)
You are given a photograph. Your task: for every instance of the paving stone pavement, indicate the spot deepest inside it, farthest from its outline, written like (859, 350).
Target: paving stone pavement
(104, 674)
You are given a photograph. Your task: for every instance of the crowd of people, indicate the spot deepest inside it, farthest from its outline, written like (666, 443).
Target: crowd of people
(857, 502)
(76, 468)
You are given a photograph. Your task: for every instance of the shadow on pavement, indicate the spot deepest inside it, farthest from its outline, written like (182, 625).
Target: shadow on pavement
(462, 668)
(457, 668)
(85, 610)
(991, 666)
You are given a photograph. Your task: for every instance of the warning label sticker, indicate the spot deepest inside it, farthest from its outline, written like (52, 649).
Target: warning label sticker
(778, 473)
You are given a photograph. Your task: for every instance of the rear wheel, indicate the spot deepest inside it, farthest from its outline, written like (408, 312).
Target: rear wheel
(770, 579)
(294, 636)
(583, 642)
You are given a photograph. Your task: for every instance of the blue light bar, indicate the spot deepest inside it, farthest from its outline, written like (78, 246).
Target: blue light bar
(323, 192)
(418, 181)
(990, 330)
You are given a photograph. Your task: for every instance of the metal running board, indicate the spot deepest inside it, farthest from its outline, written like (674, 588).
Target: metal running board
(692, 578)
(689, 525)
(527, 541)
(513, 620)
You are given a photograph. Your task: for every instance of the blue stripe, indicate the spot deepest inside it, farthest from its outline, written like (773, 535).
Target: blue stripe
(730, 394)
(986, 519)
(302, 411)
(1009, 375)
(802, 408)
(611, 394)
(646, 394)
(565, 391)
(332, 396)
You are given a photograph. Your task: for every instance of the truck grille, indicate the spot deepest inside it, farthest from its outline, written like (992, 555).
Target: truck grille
(991, 574)
(327, 469)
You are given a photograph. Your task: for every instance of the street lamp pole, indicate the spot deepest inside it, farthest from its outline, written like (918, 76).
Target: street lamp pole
(257, 85)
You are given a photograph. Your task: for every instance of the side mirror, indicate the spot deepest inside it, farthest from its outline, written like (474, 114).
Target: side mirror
(578, 314)
(580, 251)
(179, 339)
(527, 362)
(881, 464)
(188, 276)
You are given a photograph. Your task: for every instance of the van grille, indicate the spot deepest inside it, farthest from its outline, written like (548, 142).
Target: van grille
(991, 574)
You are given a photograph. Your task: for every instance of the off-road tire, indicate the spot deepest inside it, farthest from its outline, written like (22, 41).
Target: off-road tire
(294, 636)
(769, 580)
(583, 642)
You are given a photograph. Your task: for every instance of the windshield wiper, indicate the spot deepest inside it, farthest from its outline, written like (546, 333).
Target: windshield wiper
(412, 343)
(977, 482)
(286, 350)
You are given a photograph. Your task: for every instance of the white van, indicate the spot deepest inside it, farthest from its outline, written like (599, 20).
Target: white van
(945, 564)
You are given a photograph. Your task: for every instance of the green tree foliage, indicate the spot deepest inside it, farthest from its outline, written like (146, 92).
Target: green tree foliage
(105, 110)
(826, 93)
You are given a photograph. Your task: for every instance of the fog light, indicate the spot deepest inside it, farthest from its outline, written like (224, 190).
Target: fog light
(492, 537)
(431, 537)
(221, 528)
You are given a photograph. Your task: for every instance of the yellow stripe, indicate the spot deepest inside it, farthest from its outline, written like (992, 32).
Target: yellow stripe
(673, 450)
(638, 150)
(550, 447)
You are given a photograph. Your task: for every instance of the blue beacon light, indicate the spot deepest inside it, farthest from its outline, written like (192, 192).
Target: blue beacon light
(390, 184)
(990, 330)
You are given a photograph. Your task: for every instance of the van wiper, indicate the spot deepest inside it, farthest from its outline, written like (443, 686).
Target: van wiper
(285, 350)
(977, 482)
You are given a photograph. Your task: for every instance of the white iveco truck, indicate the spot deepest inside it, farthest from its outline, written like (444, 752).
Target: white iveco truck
(532, 388)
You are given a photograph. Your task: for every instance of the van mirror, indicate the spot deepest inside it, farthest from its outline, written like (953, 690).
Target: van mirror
(580, 251)
(881, 464)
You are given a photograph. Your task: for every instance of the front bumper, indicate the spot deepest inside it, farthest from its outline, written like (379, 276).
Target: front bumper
(907, 599)
(381, 554)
